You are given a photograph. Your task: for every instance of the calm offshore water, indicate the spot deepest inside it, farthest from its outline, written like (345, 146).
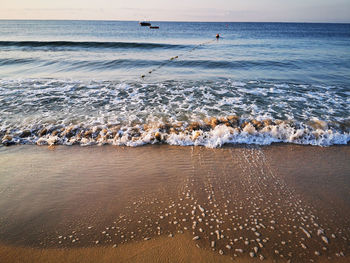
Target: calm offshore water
(88, 82)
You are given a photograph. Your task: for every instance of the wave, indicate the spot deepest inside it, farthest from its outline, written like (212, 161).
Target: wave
(87, 44)
(109, 63)
(138, 63)
(229, 64)
(212, 132)
(14, 61)
(199, 112)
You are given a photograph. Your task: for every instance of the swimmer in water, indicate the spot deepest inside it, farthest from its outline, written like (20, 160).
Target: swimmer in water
(217, 36)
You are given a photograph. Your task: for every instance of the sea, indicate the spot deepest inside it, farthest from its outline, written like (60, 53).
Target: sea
(119, 83)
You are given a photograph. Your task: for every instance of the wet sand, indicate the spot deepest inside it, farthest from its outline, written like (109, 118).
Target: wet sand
(163, 203)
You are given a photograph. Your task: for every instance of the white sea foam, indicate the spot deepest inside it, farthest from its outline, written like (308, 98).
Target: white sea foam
(297, 114)
(215, 137)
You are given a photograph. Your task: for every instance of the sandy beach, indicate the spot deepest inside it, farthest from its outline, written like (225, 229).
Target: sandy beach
(160, 203)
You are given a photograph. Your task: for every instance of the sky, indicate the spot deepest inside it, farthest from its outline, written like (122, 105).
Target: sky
(180, 10)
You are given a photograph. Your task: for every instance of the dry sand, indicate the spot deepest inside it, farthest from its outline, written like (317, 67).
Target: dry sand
(275, 203)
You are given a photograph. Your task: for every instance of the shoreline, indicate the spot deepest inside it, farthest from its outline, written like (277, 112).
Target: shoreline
(288, 198)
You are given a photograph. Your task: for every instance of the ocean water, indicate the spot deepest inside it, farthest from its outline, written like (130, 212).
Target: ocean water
(112, 82)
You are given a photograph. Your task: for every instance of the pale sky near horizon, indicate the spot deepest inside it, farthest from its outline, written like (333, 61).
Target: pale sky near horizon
(180, 10)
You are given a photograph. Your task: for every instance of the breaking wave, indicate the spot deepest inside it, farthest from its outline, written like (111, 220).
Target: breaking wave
(206, 113)
(212, 132)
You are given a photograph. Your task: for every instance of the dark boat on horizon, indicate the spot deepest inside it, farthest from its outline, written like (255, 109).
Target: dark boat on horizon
(143, 23)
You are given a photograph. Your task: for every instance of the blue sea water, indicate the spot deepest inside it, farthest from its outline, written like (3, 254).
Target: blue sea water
(97, 82)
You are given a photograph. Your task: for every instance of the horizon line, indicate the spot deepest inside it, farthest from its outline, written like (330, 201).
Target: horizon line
(179, 21)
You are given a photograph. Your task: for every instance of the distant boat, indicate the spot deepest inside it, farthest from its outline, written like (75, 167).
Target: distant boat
(154, 27)
(143, 23)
